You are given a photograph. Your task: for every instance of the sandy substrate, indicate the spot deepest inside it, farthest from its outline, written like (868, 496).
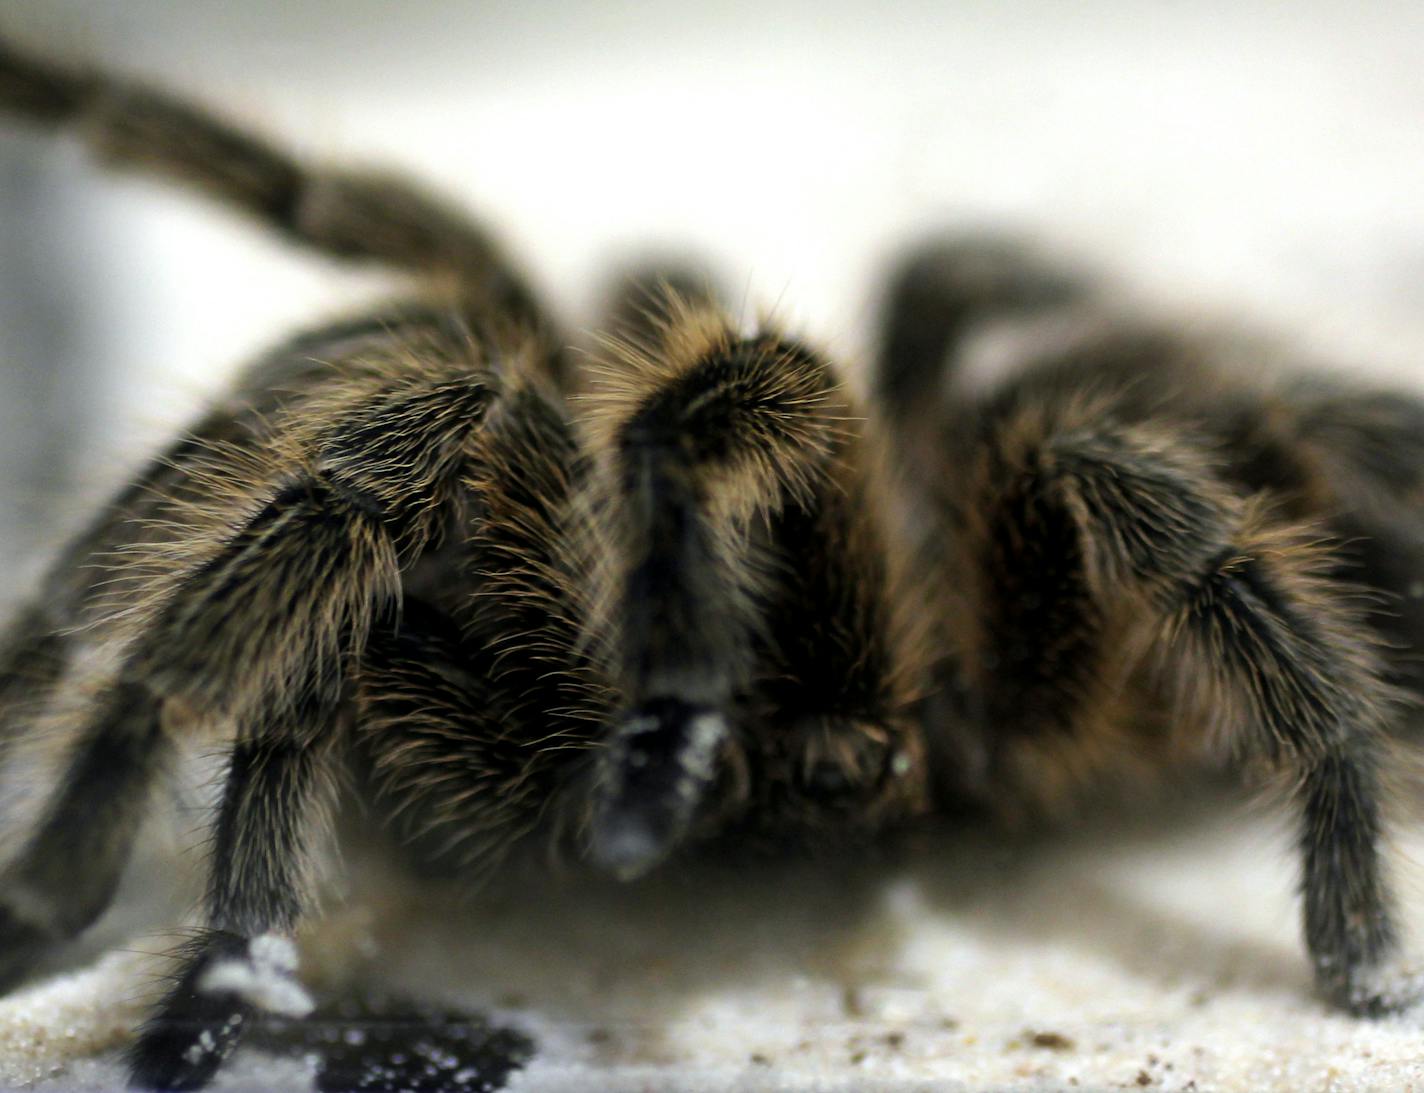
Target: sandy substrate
(1160, 956)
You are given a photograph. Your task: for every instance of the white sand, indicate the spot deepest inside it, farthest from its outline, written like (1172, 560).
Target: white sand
(1159, 956)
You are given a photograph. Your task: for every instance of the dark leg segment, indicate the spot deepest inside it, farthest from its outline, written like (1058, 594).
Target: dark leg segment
(1266, 643)
(267, 628)
(752, 615)
(342, 213)
(273, 801)
(33, 656)
(744, 426)
(939, 292)
(747, 427)
(1296, 667)
(66, 874)
(1348, 928)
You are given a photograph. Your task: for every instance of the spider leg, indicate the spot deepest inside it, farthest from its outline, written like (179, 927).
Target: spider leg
(275, 565)
(728, 459)
(330, 511)
(468, 750)
(89, 584)
(641, 298)
(265, 629)
(277, 784)
(66, 873)
(345, 214)
(33, 654)
(1256, 622)
(41, 642)
(479, 719)
(940, 292)
(1367, 450)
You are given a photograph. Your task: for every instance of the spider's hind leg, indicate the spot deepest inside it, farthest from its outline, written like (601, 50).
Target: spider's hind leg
(644, 295)
(348, 214)
(1261, 639)
(941, 292)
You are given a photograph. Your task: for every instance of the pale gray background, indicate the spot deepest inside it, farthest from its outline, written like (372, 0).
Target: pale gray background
(1265, 160)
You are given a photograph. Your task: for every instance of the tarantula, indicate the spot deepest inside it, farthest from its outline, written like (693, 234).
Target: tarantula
(696, 590)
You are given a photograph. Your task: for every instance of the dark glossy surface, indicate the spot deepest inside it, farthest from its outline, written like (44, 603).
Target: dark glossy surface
(389, 1045)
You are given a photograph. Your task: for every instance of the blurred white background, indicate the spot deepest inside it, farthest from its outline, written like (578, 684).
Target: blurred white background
(1263, 160)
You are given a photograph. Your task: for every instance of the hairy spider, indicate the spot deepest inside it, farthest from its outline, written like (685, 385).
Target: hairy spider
(712, 597)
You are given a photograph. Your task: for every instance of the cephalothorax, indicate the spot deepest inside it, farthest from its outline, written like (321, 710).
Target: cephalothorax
(711, 597)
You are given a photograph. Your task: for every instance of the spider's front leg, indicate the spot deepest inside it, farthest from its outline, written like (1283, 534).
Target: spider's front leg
(1261, 638)
(265, 630)
(278, 783)
(755, 642)
(65, 873)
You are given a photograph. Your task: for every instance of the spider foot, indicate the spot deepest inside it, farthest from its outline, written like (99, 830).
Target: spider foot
(225, 982)
(1390, 987)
